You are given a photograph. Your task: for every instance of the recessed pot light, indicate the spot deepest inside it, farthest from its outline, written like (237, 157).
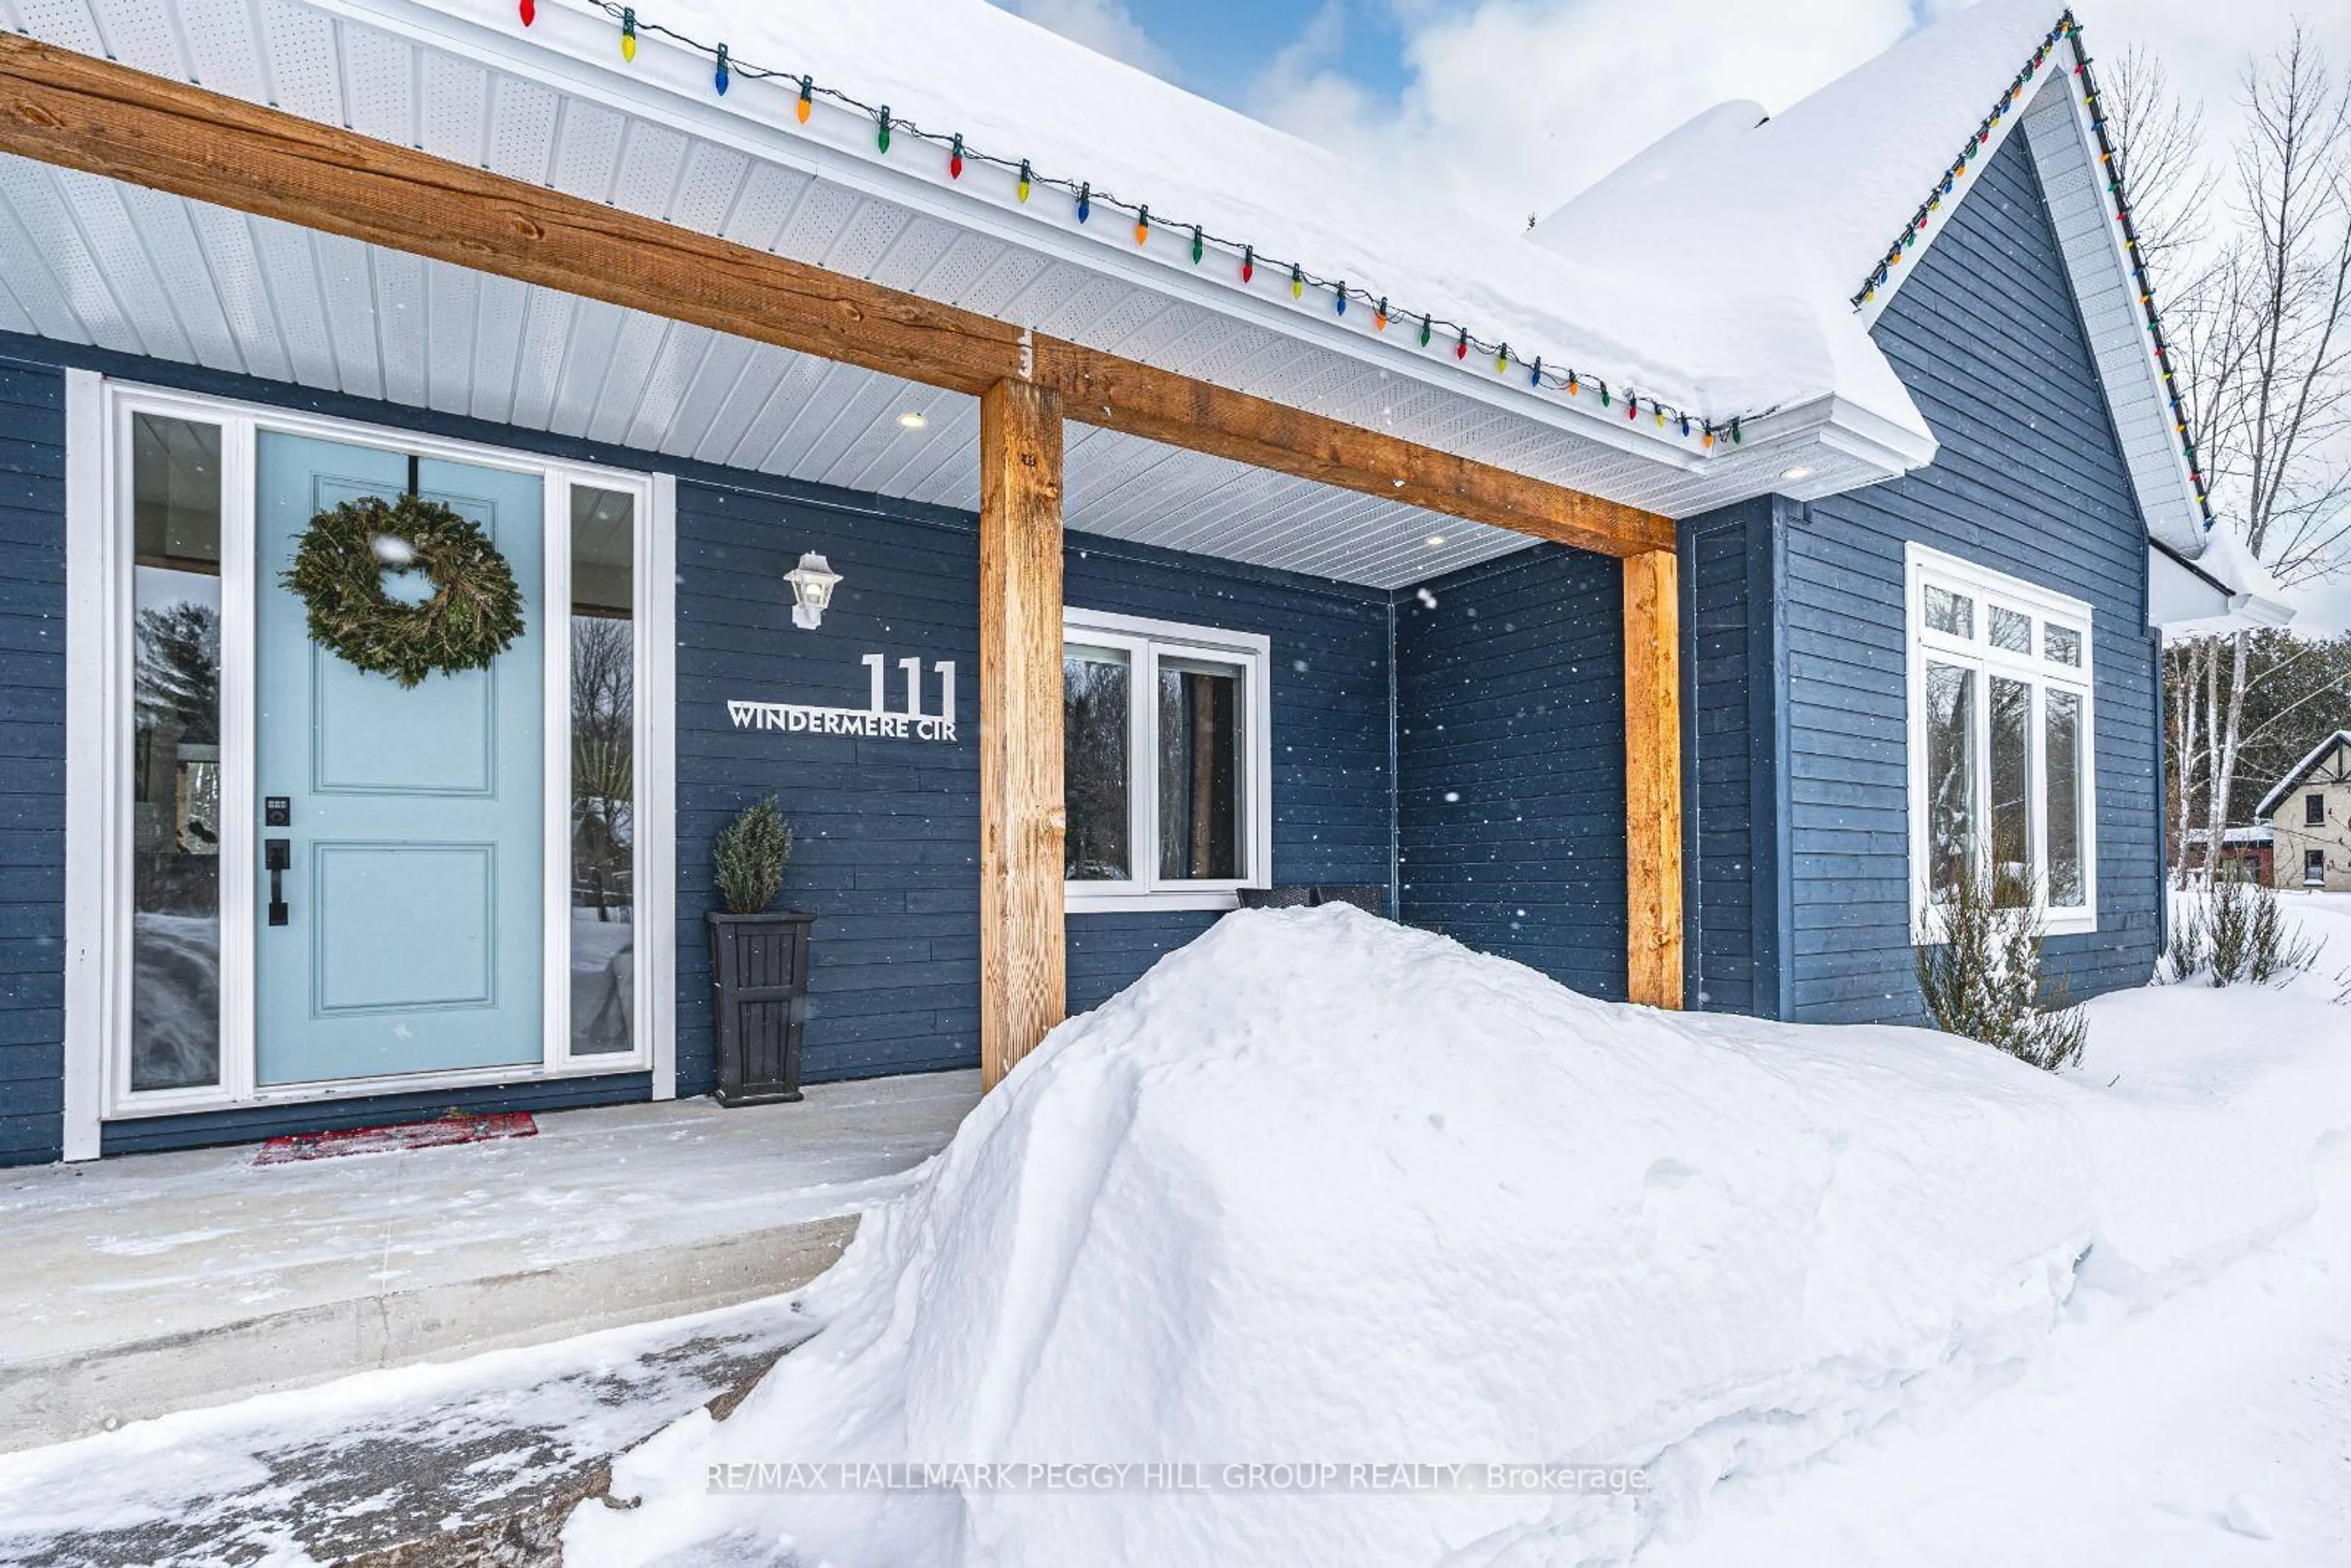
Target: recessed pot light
(1435, 540)
(1800, 471)
(910, 420)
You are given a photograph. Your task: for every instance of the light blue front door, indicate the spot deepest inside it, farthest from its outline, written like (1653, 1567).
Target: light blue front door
(412, 934)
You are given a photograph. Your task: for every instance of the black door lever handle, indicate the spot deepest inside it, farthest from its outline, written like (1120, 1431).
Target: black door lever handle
(277, 856)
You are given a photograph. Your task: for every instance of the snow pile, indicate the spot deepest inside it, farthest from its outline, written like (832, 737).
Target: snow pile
(1319, 1188)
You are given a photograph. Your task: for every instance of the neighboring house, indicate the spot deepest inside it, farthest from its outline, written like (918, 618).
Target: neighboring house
(1671, 600)
(2245, 852)
(2309, 811)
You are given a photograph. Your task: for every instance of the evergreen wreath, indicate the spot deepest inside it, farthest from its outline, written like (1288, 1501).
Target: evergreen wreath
(475, 610)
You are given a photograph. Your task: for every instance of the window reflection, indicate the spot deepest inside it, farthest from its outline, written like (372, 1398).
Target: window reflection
(604, 784)
(1095, 697)
(2068, 888)
(1199, 770)
(175, 753)
(2011, 792)
(1950, 775)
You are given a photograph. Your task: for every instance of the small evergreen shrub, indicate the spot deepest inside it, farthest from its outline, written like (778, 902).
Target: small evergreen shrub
(1983, 981)
(2189, 948)
(750, 855)
(2239, 934)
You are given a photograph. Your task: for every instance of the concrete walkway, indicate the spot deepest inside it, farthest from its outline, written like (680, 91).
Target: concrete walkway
(475, 1462)
(156, 1282)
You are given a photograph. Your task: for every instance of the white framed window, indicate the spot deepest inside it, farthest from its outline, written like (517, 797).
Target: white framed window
(2001, 753)
(1166, 763)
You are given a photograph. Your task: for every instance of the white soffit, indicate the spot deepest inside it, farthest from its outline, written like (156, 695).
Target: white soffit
(85, 261)
(88, 261)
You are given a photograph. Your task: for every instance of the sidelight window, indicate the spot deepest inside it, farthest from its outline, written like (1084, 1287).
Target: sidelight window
(175, 753)
(603, 816)
(1165, 747)
(2000, 741)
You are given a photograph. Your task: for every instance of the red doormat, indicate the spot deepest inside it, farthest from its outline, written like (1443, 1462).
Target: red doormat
(454, 1128)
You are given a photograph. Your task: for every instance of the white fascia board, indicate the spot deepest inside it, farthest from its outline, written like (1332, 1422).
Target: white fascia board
(1868, 437)
(1962, 189)
(2059, 138)
(1847, 446)
(2063, 146)
(565, 51)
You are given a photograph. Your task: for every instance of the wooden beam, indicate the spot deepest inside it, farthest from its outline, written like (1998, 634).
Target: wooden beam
(1653, 778)
(1103, 390)
(69, 108)
(1023, 967)
(75, 111)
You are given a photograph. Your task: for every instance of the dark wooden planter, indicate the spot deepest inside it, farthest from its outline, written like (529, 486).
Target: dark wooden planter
(758, 984)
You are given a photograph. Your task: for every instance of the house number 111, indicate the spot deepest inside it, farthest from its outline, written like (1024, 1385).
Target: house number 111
(875, 665)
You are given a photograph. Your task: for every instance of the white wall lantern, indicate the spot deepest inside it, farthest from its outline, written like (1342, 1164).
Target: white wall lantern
(812, 581)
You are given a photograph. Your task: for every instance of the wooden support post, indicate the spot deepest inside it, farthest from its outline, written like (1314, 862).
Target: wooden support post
(1023, 967)
(1653, 778)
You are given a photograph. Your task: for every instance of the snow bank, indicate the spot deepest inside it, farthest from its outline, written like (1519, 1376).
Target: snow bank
(1323, 1189)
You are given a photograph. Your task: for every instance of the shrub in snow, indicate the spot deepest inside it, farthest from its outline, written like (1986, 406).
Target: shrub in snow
(1984, 978)
(2189, 948)
(2239, 933)
(749, 855)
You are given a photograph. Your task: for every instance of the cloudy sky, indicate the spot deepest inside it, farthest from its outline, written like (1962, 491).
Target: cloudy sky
(1517, 104)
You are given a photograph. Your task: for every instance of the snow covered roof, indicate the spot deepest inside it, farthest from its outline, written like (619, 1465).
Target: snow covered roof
(1710, 279)
(1713, 276)
(2235, 838)
(1821, 201)
(2298, 772)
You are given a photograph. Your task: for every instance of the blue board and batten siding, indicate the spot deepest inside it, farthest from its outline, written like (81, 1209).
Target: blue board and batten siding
(32, 761)
(1733, 735)
(886, 849)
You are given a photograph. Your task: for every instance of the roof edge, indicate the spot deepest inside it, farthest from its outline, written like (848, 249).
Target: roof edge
(2301, 770)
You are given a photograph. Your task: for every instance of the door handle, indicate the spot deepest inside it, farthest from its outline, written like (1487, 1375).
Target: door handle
(277, 856)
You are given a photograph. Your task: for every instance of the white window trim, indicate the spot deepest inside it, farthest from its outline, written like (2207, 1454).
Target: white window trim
(97, 834)
(1144, 641)
(1984, 585)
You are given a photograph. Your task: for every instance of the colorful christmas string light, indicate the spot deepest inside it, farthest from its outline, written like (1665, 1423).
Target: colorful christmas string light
(888, 126)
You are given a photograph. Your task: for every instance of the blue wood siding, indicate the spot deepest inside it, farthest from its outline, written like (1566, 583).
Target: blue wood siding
(1511, 762)
(1731, 677)
(32, 759)
(887, 831)
(1463, 745)
(2030, 481)
(1331, 717)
